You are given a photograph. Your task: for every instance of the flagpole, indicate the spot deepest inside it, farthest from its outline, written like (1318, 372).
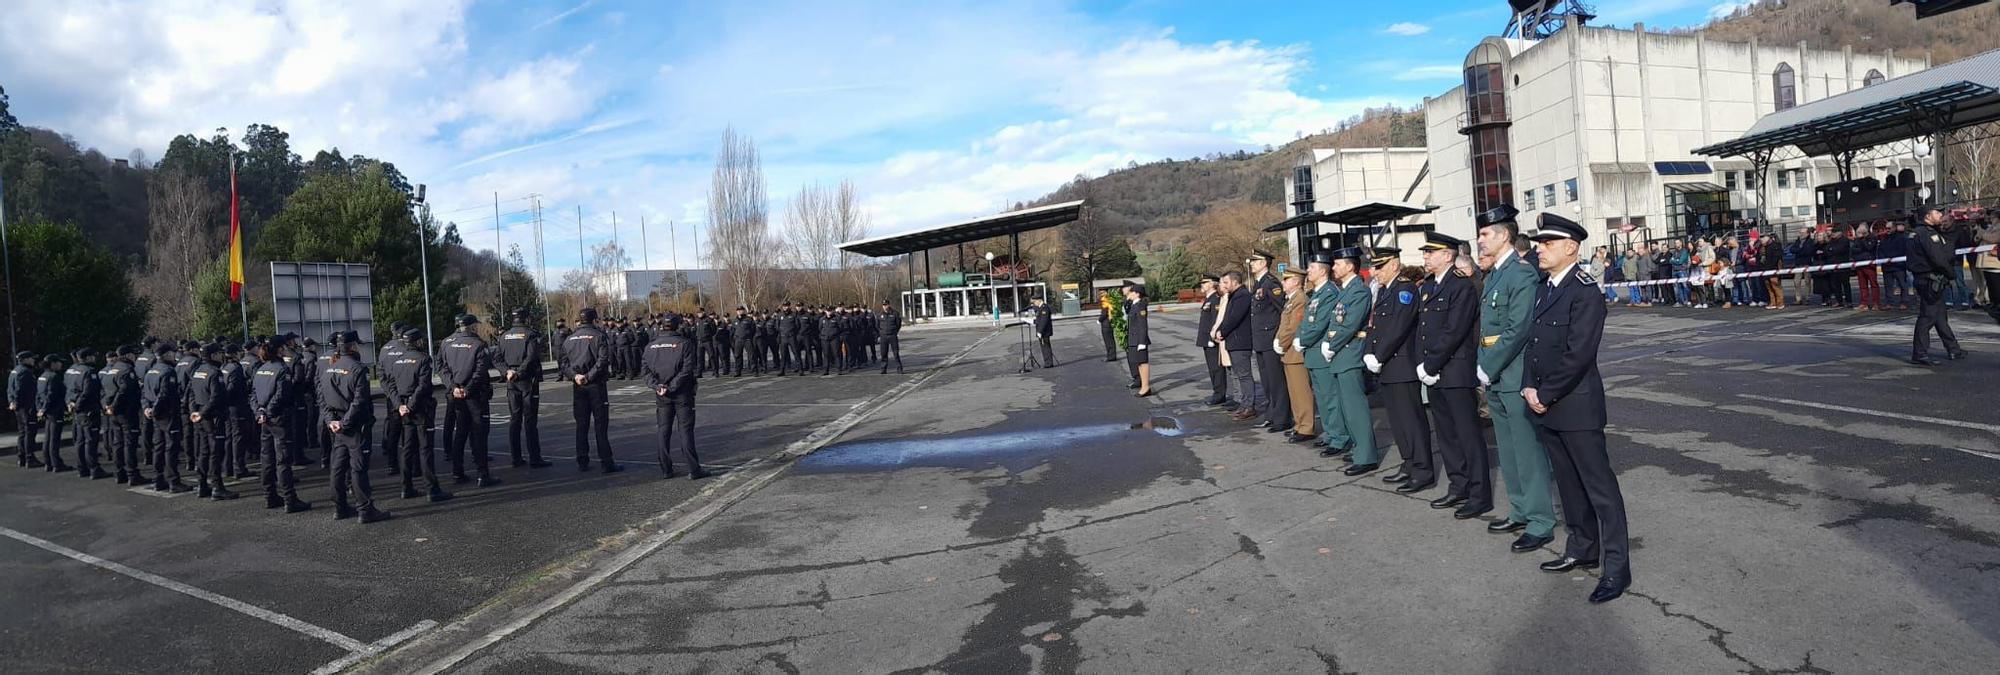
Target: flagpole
(7, 263)
(236, 251)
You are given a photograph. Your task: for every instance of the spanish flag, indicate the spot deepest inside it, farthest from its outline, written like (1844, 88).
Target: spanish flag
(235, 240)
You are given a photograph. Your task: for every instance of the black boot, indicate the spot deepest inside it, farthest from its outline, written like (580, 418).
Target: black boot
(438, 494)
(272, 501)
(295, 505)
(370, 515)
(222, 494)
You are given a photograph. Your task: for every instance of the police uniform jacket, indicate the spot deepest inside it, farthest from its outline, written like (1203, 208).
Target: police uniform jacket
(704, 330)
(521, 351)
(411, 373)
(1233, 321)
(1205, 322)
(235, 387)
(1503, 321)
(205, 391)
(1135, 326)
(585, 353)
(829, 328)
(85, 391)
(465, 364)
(1562, 353)
(888, 324)
(1448, 310)
(788, 326)
(49, 394)
(390, 351)
(1267, 308)
(1347, 326)
(743, 329)
(120, 389)
(184, 374)
(160, 391)
(670, 363)
(271, 391)
(144, 362)
(21, 387)
(1045, 324)
(1931, 253)
(343, 393)
(1392, 335)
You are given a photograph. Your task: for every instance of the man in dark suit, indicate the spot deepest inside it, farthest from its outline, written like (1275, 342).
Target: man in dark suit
(1233, 331)
(1267, 309)
(1392, 356)
(1565, 397)
(1204, 328)
(1448, 314)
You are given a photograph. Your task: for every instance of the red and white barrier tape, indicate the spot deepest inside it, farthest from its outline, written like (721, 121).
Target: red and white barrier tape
(1683, 279)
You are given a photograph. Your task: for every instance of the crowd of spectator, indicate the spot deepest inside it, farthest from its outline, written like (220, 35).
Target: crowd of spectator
(1705, 272)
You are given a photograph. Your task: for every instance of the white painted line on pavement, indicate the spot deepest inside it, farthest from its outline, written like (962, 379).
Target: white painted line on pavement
(323, 634)
(1989, 428)
(1987, 455)
(686, 523)
(375, 647)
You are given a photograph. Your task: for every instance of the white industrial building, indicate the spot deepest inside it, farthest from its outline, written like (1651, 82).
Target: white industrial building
(1331, 180)
(1598, 125)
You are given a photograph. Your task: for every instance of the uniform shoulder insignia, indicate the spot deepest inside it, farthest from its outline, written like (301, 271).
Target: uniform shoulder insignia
(1459, 272)
(1585, 277)
(1403, 297)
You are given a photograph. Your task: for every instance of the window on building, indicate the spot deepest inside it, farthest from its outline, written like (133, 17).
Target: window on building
(1749, 180)
(1873, 78)
(1569, 190)
(1805, 210)
(1485, 127)
(1549, 194)
(1784, 212)
(1784, 87)
(1639, 222)
(1302, 189)
(1784, 179)
(1799, 179)
(1729, 179)
(1528, 199)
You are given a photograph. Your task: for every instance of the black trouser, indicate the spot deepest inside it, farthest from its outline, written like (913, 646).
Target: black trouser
(711, 358)
(127, 454)
(1110, 341)
(1048, 351)
(590, 406)
(163, 445)
(1461, 446)
(89, 441)
(349, 461)
(242, 430)
(295, 436)
(275, 444)
(892, 348)
(209, 460)
(1992, 293)
(392, 439)
(24, 442)
(1593, 509)
(475, 420)
(782, 349)
(420, 445)
(524, 410)
(1218, 377)
(1931, 315)
(803, 346)
(1410, 424)
(52, 433)
(1277, 399)
(739, 358)
(1842, 288)
(829, 356)
(673, 417)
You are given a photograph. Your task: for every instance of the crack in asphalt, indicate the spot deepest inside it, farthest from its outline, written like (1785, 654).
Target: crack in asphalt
(1717, 635)
(703, 649)
(1331, 661)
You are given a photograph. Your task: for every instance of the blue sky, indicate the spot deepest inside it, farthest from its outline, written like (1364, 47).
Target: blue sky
(937, 111)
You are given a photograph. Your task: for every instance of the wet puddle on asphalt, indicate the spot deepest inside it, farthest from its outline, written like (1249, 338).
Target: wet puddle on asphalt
(1015, 450)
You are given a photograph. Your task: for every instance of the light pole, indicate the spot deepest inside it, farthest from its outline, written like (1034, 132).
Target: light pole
(424, 261)
(7, 263)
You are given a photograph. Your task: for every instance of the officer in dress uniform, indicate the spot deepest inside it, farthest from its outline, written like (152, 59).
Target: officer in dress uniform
(1447, 317)
(119, 397)
(1392, 356)
(85, 395)
(1566, 396)
(1349, 430)
(669, 368)
(415, 401)
(586, 366)
(1298, 381)
(271, 399)
(1321, 297)
(887, 325)
(1211, 352)
(349, 417)
(1267, 310)
(521, 352)
(469, 391)
(1509, 293)
(1137, 339)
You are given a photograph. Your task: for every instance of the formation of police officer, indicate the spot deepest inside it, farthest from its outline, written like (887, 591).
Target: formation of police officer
(1433, 339)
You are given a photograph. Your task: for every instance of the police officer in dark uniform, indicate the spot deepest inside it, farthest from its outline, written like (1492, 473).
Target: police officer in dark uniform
(348, 414)
(1932, 262)
(521, 354)
(1392, 356)
(320, 364)
(392, 425)
(587, 367)
(160, 403)
(191, 358)
(555, 345)
(1211, 351)
(119, 397)
(299, 414)
(1104, 329)
(51, 410)
(742, 340)
(887, 325)
(415, 401)
(1045, 329)
(238, 430)
(208, 400)
(636, 346)
(469, 392)
(1137, 340)
(704, 334)
(1565, 398)
(272, 396)
(669, 365)
(85, 395)
(788, 332)
(21, 400)
(1267, 309)
(1448, 316)
(829, 344)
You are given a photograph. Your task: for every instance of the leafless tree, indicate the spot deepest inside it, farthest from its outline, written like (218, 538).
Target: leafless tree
(738, 219)
(608, 263)
(180, 241)
(1977, 167)
(575, 293)
(817, 222)
(850, 224)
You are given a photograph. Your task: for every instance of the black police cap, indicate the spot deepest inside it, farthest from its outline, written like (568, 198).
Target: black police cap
(23, 355)
(1349, 253)
(522, 313)
(1550, 226)
(1438, 241)
(1504, 213)
(1321, 257)
(467, 319)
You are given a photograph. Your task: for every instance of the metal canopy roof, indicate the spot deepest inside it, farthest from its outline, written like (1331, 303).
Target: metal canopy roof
(1955, 95)
(1012, 222)
(1695, 187)
(1363, 213)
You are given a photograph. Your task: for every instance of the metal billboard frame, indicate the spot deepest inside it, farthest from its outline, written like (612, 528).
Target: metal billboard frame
(314, 299)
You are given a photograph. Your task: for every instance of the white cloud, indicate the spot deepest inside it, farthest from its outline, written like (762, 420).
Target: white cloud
(1407, 29)
(1421, 73)
(531, 98)
(1724, 9)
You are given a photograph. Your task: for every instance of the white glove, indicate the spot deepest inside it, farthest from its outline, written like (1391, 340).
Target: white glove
(1374, 364)
(1298, 345)
(1142, 348)
(1484, 381)
(1426, 378)
(1277, 346)
(1326, 350)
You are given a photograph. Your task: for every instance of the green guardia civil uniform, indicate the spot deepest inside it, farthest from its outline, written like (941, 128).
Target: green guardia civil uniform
(1348, 423)
(1313, 330)
(1504, 318)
